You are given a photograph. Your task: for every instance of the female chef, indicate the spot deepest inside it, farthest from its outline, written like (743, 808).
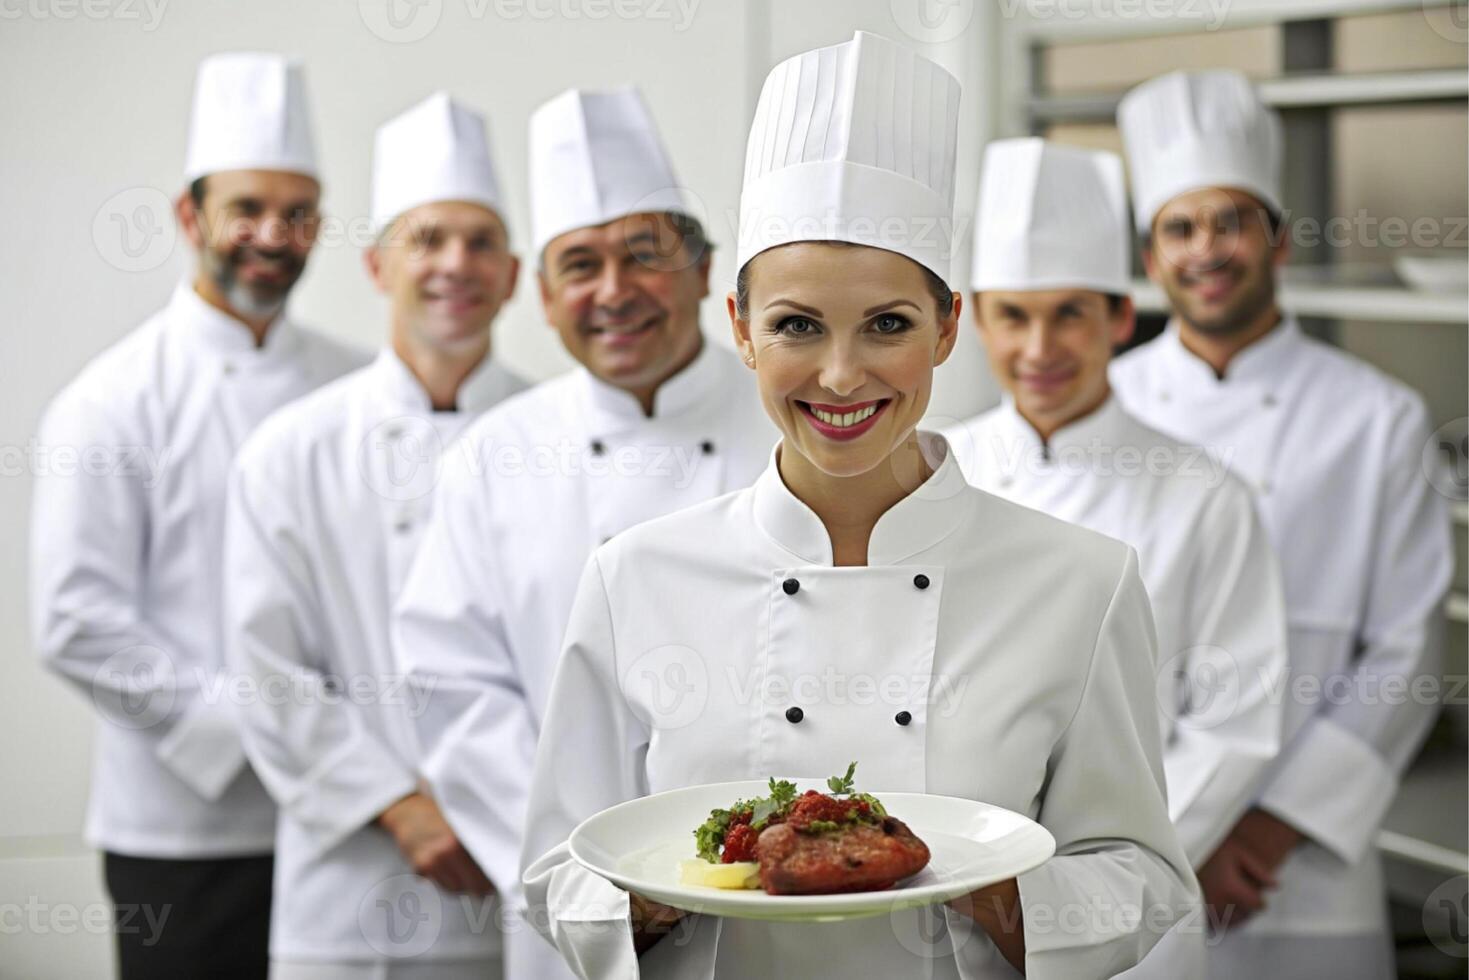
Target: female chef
(860, 602)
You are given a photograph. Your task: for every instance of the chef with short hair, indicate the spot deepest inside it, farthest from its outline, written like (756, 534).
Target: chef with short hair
(654, 418)
(1333, 450)
(1051, 281)
(125, 573)
(327, 505)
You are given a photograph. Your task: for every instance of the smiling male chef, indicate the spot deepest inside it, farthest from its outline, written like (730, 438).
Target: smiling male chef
(125, 572)
(327, 504)
(1050, 283)
(654, 419)
(1332, 448)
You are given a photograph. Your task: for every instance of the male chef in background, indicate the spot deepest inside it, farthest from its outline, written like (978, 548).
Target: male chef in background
(1051, 282)
(327, 504)
(1332, 448)
(655, 418)
(125, 570)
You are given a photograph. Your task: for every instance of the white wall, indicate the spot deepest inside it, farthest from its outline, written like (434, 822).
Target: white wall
(97, 93)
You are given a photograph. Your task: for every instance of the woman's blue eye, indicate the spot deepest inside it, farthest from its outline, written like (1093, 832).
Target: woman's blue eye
(891, 323)
(796, 325)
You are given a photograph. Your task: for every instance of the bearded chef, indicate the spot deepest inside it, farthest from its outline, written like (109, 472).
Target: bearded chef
(1332, 449)
(125, 576)
(327, 505)
(655, 418)
(1013, 652)
(1051, 257)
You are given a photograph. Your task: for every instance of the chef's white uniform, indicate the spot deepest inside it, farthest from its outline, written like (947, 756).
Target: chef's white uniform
(328, 503)
(539, 483)
(125, 570)
(1021, 649)
(1212, 579)
(1333, 450)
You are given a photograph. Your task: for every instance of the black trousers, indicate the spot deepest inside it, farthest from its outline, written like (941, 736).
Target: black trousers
(192, 918)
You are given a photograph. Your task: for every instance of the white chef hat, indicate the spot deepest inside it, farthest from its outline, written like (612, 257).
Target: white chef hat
(436, 151)
(1188, 130)
(595, 156)
(249, 114)
(1051, 217)
(854, 142)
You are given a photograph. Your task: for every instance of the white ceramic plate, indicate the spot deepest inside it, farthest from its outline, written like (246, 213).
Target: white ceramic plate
(638, 845)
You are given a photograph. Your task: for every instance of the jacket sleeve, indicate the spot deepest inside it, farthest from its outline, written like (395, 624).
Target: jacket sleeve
(1120, 878)
(89, 572)
(1341, 770)
(476, 733)
(310, 745)
(585, 916)
(1227, 725)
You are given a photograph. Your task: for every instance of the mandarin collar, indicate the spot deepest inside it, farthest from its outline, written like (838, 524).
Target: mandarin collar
(1104, 426)
(218, 334)
(928, 515)
(482, 388)
(1265, 361)
(610, 409)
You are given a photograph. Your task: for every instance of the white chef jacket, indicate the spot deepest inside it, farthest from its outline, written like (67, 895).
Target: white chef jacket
(1021, 648)
(543, 479)
(327, 505)
(1332, 448)
(1212, 579)
(125, 571)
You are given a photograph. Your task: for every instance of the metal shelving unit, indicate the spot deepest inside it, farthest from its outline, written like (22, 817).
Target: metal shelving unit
(1294, 92)
(1325, 301)
(1307, 90)
(1307, 87)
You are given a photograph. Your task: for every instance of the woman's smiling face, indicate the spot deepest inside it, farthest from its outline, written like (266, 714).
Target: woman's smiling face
(844, 340)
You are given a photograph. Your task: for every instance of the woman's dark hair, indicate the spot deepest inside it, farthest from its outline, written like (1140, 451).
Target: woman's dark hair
(943, 296)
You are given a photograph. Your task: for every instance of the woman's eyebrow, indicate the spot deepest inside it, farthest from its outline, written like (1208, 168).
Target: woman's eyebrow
(882, 307)
(813, 311)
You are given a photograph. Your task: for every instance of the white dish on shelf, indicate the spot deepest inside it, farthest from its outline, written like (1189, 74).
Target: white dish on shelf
(1434, 273)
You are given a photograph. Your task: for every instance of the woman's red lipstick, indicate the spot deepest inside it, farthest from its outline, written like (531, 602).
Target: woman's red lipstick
(842, 433)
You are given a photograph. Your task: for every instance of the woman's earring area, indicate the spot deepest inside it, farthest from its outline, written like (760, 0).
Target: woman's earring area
(749, 357)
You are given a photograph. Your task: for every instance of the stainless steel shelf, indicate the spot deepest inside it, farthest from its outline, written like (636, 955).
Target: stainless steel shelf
(1341, 302)
(1295, 92)
(1049, 24)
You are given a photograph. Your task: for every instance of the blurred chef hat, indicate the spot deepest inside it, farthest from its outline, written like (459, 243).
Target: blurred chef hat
(436, 151)
(1189, 130)
(856, 143)
(1051, 217)
(249, 113)
(596, 157)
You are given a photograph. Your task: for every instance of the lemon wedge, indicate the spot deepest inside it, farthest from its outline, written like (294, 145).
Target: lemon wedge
(737, 875)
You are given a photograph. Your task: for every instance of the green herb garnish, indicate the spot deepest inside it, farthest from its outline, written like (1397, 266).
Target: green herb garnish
(710, 835)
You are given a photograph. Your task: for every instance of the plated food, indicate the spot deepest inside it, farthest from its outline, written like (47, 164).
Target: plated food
(810, 843)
